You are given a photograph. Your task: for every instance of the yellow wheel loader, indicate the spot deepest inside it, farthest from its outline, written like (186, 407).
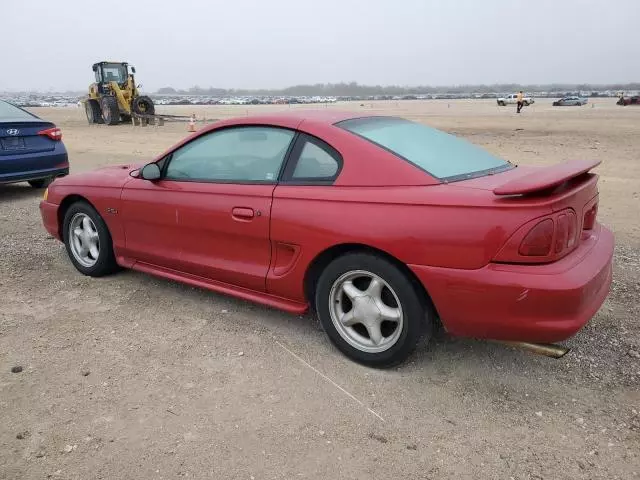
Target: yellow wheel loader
(114, 97)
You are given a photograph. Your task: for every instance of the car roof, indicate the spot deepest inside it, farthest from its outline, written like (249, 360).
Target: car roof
(287, 117)
(368, 165)
(293, 119)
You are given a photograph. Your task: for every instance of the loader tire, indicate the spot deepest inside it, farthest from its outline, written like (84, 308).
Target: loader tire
(143, 105)
(92, 109)
(110, 110)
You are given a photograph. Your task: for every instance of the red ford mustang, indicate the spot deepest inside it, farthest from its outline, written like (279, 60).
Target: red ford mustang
(381, 225)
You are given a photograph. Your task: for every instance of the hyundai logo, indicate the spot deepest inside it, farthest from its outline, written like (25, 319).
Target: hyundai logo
(13, 131)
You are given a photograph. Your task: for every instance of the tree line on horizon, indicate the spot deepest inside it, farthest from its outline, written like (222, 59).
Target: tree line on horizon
(354, 89)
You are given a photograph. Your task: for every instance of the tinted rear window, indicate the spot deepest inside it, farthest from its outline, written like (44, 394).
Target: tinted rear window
(11, 112)
(440, 154)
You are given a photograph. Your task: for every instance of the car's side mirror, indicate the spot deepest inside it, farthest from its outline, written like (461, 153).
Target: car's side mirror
(150, 172)
(133, 69)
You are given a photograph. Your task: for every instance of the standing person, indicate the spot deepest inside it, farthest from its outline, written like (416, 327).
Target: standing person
(520, 99)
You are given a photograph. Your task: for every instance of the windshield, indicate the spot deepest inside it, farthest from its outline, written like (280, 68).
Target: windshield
(11, 112)
(441, 155)
(113, 72)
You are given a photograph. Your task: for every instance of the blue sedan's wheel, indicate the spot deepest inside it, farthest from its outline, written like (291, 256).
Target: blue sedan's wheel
(88, 241)
(371, 310)
(42, 183)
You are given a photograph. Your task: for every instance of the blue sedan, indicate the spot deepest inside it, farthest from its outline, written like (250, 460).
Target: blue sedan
(31, 149)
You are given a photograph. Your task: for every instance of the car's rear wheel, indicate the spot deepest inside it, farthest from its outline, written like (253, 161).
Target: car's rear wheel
(41, 183)
(88, 241)
(371, 310)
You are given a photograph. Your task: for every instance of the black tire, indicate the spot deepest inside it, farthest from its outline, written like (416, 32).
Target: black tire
(143, 105)
(110, 110)
(92, 110)
(41, 183)
(525, 103)
(416, 311)
(501, 104)
(106, 261)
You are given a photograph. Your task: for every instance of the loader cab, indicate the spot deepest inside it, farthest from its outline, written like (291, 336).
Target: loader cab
(107, 72)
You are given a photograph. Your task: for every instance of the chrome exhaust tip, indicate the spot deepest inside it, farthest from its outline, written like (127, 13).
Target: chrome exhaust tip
(546, 349)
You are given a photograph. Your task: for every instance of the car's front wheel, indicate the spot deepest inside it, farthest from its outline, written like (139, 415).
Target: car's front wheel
(88, 241)
(371, 310)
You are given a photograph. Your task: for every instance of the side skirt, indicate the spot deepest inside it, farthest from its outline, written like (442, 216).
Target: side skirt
(224, 288)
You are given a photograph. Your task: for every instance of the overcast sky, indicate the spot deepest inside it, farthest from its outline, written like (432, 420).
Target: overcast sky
(277, 43)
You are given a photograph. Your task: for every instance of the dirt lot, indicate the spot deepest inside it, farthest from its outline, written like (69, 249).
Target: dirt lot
(131, 377)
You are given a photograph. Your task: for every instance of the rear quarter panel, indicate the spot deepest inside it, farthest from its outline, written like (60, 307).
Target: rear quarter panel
(432, 225)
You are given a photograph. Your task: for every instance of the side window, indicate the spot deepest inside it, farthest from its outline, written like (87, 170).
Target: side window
(237, 154)
(314, 161)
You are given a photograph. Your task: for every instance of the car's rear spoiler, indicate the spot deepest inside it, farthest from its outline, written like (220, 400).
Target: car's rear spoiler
(546, 178)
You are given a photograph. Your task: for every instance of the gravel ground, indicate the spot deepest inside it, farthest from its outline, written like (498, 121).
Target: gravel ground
(130, 376)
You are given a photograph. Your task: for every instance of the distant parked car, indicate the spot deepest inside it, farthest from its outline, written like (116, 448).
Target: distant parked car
(624, 101)
(513, 99)
(570, 102)
(31, 149)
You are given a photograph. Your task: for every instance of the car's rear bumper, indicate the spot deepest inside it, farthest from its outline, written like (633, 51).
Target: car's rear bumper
(16, 177)
(34, 166)
(536, 303)
(49, 214)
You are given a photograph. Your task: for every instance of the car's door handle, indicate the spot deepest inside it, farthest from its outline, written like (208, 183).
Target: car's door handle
(242, 213)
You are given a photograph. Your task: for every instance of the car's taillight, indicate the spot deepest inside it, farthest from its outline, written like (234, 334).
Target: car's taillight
(562, 230)
(542, 240)
(566, 231)
(590, 218)
(572, 232)
(53, 133)
(537, 243)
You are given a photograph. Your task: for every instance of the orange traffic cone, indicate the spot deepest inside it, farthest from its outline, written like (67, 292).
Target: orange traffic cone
(192, 123)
